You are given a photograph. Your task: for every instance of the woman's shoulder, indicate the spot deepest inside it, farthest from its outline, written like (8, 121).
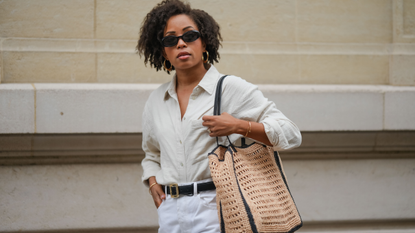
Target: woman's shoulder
(156, 98)
(159, 93)
(237, 84)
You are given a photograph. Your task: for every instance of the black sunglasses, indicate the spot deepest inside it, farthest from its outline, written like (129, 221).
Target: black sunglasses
(188, 36)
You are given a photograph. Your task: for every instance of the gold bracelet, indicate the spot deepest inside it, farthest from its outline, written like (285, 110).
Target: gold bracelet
(149, 189)
(249, 129)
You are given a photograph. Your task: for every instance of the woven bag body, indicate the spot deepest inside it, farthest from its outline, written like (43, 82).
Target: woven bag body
(252, 192)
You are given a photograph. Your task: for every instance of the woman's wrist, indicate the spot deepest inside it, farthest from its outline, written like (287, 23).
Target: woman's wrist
(153, 184)
(241, 127)
(152, 180)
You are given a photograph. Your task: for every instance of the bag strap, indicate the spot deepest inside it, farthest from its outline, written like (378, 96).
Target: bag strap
(218, 96)
(217, 105)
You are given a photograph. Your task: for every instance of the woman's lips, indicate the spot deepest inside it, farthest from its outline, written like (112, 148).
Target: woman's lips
(183, 55)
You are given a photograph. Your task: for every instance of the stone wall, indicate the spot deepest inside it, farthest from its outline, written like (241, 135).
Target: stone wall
(72, 90)
(266, 41)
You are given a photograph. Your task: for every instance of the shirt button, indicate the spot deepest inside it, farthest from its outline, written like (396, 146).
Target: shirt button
(180, 141)
(193, 97)
(184, 118)
(181, 164)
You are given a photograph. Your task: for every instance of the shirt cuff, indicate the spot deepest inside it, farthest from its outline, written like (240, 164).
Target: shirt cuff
(283, 135)
(272, 134)
(147, 174)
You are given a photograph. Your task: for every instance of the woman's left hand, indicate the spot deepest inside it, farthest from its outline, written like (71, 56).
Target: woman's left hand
(222, 125)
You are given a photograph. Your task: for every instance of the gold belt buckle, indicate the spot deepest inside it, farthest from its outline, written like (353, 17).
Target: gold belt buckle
(175, 186)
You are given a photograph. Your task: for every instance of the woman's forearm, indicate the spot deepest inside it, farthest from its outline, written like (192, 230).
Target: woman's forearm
(255, 131)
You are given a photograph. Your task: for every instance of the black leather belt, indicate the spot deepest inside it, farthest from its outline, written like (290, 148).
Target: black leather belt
(175, 190)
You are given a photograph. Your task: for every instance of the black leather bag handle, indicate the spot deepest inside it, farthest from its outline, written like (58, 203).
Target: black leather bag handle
(218, 96)
(216, 106)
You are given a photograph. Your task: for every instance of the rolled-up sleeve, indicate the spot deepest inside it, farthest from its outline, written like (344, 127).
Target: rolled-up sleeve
(281, 131)
(151, 148)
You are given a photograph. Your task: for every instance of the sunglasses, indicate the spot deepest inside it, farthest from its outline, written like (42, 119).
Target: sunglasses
(188, 36)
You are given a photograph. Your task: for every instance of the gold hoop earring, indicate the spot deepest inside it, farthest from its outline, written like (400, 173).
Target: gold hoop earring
(165, 67)
(207, 57)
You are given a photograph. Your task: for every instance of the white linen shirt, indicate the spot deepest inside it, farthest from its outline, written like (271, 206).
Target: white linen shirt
(176, 150)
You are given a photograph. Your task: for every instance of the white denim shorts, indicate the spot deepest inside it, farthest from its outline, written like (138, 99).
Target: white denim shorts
(189, 214)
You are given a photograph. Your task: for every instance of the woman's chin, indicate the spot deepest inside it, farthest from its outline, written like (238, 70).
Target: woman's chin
(188, 66)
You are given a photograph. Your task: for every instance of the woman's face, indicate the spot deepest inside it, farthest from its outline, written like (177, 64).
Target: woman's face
(184, 55)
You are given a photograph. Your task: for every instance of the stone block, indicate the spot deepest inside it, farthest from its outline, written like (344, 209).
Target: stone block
(127, 68)
(344, 69)
(90, 108)
(47, 18)
(400, 110)
(409, 17)
(307, 69)
(329, 108)
(368, 69)
(1, 62)
(100, 196)
(248, 48)
(70, 197)
(271, 20)
(403, 21)
(261, 68)
(347, 21)
(121, 19)
(49, 45)
(23, 67)
(403, 70)
(17, 108)
(352, 190)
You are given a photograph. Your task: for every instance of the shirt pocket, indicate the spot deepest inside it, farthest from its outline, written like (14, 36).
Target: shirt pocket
(197, 124)
(206, 111)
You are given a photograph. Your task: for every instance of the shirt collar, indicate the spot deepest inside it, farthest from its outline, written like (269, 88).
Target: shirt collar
(210, 79)
(171, 88)
(208, 83)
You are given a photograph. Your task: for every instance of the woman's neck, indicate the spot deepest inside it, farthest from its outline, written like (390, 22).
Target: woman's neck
(189, 78)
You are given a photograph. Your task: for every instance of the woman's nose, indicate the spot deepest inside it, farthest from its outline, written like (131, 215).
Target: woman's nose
(181, 43)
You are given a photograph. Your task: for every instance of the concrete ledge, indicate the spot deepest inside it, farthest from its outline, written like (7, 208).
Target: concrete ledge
(117, 108)
(17, 108)
(43, 149)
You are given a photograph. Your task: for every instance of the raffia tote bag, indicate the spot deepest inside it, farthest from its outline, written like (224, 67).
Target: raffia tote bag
(251, 187)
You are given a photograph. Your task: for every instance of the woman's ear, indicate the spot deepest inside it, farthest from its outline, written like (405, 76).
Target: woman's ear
(204, 45)
(165, 55)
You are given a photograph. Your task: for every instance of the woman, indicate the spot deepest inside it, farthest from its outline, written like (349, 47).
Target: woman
(178, 127)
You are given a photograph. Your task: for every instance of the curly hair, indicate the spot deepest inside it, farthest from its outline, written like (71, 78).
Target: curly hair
(152, 30)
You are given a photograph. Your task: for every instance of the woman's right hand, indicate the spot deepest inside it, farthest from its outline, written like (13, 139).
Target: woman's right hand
(156, 192)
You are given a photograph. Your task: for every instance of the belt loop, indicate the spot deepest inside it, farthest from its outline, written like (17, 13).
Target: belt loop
(194, 188)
